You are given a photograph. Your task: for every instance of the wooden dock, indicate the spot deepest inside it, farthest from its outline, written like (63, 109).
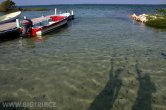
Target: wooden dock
(7, 26)
(12, 25)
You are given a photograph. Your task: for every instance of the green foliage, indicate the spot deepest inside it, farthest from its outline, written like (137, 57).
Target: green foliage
(2, 9)
(157, 23)
(7, 5)
(10, 6)
(162, 12)
(34, 9)
(158, 20)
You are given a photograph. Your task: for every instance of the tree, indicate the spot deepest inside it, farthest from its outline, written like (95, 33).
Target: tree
(7, 5)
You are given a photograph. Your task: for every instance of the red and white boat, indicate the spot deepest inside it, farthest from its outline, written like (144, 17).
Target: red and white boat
(46, 24)
(49, 25)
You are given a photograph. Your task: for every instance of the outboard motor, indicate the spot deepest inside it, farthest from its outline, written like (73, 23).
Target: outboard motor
(27, 25)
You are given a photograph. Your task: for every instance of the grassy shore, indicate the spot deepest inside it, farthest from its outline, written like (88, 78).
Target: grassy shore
(157, 23)
(158, 20)
(34, 9)
(26, 9)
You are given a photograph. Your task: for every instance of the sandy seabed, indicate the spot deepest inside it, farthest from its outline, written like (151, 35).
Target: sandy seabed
(115, 84)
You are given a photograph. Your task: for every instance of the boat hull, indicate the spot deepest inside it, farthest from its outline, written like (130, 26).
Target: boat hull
(9, 17)
(49, 28)
(9, 20)
(9, 34)
(52, 28)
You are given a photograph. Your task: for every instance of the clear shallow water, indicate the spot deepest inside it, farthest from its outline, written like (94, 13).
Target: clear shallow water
(103, 60)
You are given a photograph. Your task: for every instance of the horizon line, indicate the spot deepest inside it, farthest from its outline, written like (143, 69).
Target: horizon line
(89, 4)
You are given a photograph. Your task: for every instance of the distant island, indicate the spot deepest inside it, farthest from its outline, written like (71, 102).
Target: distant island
(10, 6)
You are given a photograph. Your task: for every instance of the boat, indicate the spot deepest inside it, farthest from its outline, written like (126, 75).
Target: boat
(71, 15)
(9, 31)
(46, 25)
(50, 24)
(9, 17)
(9, 34)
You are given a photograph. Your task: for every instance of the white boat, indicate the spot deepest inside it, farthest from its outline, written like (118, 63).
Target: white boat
(9, 17)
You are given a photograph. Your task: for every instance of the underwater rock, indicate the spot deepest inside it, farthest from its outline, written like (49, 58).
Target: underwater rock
(164, 97)
(44, 96)
(21, 79)
(163, 55)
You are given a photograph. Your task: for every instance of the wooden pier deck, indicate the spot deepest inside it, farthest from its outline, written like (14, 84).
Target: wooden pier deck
(12, 25)
(7, 26)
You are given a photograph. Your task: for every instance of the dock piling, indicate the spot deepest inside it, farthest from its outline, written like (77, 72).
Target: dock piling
(72, 12)
(17, 23)
(25, 17)
(55, 11)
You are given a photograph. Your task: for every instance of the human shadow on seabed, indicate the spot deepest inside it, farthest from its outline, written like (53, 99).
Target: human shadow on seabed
(107, 97)
(146, 88)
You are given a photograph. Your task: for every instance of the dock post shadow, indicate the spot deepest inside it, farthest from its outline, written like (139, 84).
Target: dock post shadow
(107, 97)
(144, 94)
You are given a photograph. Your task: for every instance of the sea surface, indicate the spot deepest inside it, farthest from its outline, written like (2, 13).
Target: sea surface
(102, 60)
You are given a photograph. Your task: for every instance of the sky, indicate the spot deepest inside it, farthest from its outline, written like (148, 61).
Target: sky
(45, 2)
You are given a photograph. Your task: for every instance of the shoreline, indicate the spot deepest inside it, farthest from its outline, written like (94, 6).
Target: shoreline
(94, 4)
(26, 9)
(155, 20)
